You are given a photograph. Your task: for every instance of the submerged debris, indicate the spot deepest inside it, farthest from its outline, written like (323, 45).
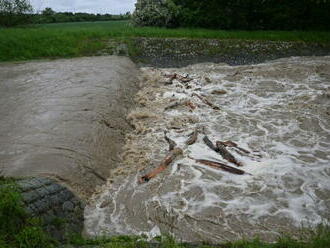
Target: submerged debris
(233, 144)
(209, 143)
(193, 137)
(181, 123)
(201, 196)
(171, 77)
(221, 166)
(191, 105)
(226, 154)
(241, 151)
(173, 105)
(219, 92)
(170, 142)
(173, 154)
(207, 102)
(176, 104)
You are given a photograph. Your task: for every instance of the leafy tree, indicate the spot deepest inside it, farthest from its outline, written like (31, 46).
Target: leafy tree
(14, 12)
(155, 13)
(48, 12)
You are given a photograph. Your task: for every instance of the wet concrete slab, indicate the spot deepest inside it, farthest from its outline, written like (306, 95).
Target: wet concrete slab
(65, 118)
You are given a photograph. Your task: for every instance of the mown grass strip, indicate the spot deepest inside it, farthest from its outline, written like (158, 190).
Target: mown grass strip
(319, 238)
(80, 39)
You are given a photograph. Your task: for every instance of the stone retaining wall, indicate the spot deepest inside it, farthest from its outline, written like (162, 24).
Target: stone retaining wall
(177, 52)
(59, 209)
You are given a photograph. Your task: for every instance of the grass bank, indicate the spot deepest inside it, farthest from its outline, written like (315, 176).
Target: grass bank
(81, 39)
(17, 229)
(317, 239)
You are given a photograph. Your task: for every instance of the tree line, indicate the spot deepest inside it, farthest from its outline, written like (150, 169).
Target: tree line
(50, 16)
(14, 12)
(217, 14)
(20, 12)
(235, 14)
(255, 14)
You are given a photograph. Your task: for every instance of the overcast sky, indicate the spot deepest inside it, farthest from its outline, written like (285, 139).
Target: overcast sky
(90, 6)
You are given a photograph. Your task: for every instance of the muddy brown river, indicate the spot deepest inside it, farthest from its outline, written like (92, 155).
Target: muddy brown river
(97, 125)
(278, 111)
(65, 118)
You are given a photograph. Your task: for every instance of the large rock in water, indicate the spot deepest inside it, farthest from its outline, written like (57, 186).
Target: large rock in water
(154, 13)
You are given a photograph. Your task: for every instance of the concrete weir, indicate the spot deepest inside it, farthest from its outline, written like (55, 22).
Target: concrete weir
(65, 119)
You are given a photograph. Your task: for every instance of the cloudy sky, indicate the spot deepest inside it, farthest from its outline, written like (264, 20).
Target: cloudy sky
(90, 6)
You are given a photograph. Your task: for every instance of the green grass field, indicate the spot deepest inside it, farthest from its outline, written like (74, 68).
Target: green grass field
(86, 38)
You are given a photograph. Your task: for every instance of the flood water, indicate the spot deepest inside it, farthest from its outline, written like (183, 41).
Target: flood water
(279, 111)
(65, 118)
(72, 120)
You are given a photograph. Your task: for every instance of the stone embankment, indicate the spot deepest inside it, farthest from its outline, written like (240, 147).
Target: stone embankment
(61, 212)
(180, 52)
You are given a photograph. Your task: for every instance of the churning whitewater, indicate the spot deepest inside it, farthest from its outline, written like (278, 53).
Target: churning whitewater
(278, 112)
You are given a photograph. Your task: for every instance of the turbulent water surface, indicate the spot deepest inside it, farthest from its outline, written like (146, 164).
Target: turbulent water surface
(65, 118)
(279, 111)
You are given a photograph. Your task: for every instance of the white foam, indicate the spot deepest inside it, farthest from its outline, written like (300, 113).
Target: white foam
(267, 110)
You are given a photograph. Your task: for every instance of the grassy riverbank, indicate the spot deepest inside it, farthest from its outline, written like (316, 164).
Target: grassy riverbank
(319, 239)
(17, 228)
(80, 39)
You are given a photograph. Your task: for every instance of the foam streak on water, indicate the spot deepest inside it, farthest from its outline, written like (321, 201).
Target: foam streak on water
(279, 110)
